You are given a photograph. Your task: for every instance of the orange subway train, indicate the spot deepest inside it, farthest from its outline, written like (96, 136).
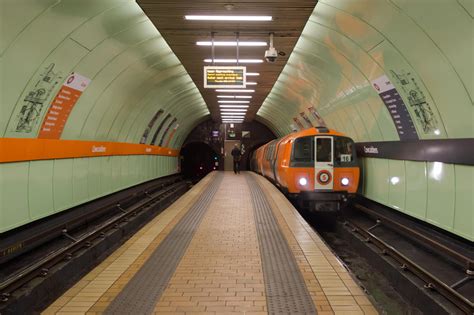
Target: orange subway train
(316, 167)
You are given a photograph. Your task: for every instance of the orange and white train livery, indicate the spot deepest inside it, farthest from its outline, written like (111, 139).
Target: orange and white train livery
(317, 167)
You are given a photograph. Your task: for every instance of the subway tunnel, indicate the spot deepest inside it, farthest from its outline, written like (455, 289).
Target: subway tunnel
(100, 97)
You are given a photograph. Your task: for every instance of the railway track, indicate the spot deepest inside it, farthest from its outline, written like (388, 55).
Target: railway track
(152, 199)
(440, 267)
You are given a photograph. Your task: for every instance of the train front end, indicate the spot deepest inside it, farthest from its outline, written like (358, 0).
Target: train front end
(323, 172)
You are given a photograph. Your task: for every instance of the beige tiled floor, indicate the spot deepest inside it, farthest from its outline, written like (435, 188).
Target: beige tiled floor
(221, 270)
(93, 293)
(324, 274)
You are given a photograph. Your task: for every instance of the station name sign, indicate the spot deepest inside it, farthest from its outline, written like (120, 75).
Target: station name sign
(224, 77)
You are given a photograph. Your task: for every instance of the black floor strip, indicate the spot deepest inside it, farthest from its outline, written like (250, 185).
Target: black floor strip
(286, 291)
(141, 294)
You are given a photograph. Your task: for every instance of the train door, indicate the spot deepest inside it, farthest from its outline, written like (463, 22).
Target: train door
(323, 162)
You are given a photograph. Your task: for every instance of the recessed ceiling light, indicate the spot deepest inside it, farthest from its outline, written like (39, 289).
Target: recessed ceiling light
(228, 17)
(233, 106)
(237, 101)
(208, 60)
(251, 83)
(234, 96)
(241, 43)
(235, 91)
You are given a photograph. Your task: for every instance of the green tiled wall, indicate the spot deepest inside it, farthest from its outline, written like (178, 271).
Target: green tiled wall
(133, 74)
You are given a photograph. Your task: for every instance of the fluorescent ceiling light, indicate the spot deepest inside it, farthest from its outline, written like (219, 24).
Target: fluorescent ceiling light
(251, 83)
(233, 110)
(235, 91)
(228, 17)
(208, 60)
(252, 74)
(238, 115)
(234, 96)
(234, 102)
(233, 106)
(241, 43)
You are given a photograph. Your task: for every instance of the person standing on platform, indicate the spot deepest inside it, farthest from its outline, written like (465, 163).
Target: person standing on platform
(236, 154)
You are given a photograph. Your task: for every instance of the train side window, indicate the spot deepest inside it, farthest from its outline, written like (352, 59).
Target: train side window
(323, 148)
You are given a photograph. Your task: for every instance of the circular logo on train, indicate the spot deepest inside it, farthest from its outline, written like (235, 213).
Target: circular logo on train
(324, 177)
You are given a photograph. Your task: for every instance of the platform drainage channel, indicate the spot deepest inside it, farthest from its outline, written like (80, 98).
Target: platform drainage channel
(286, 291)
(144, 290)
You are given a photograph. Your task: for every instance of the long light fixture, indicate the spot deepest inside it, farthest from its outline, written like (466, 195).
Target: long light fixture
(252, 74)
(233, 106)
(241, 43)
(240, 115)
(235, 91)
(208, 60)
(235, 110)
(234, 102)
(251, 83)
(257, 18)
(234, 96)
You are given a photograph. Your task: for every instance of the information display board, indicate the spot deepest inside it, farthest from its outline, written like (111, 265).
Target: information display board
(396, 107)
(224, 77)
(62, 105)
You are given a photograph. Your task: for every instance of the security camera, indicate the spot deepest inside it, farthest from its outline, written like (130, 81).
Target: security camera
(271, 54)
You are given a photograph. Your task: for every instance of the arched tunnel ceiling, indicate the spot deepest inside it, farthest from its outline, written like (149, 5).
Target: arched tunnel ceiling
(133, 73)
(423, 47)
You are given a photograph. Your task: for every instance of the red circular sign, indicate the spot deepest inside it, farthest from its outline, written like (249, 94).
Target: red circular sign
(324, 177)
(70, 79)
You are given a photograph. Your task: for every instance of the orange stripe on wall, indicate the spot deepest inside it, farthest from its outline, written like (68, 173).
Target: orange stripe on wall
(16, 150)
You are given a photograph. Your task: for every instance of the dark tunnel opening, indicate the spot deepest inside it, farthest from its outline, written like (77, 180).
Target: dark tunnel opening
(197, 160)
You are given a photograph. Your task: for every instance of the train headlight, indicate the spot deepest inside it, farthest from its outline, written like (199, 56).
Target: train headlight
(303, 181)
(345, 181)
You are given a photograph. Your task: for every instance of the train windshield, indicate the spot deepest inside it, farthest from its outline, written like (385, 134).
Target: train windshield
(303, 152)
(344, 152)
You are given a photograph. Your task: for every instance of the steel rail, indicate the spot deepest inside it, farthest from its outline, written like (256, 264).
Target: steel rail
(432, 282)
(41, 267)
(468, 262)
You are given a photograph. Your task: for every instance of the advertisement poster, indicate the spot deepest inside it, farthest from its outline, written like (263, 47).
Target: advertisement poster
(319, 120)
(396, 107)
(62, 105)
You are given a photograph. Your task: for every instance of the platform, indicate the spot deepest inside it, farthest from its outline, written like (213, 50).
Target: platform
(232, 244)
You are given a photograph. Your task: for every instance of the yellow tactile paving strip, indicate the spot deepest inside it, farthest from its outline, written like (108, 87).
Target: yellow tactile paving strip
(221, 270)
(93, 293)
(325, 276)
